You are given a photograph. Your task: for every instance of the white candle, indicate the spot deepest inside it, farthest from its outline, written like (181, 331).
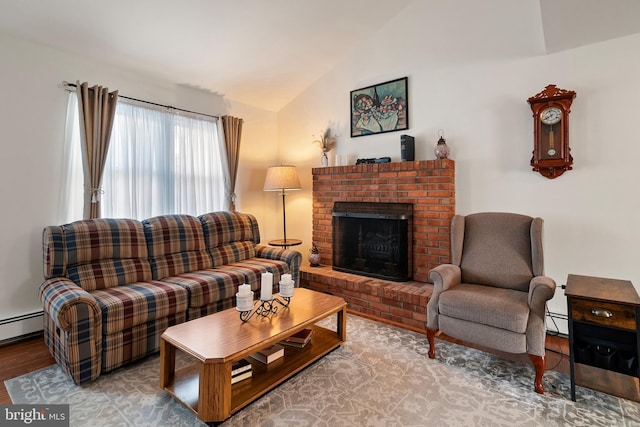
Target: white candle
(244, 298)
(266, 287)
(244, 290)
(286, 278)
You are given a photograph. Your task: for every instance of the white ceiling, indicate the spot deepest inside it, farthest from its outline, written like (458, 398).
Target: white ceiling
(263, 52)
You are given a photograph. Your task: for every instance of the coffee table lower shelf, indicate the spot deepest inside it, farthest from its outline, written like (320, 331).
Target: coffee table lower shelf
(186, 382)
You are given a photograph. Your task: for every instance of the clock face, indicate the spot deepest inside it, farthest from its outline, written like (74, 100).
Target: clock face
(550, 116)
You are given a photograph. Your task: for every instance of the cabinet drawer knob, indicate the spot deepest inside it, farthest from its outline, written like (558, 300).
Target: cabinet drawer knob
(601, 312)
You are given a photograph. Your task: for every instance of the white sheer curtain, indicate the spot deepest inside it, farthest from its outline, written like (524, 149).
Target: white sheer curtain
(72, 194)
(159, 163)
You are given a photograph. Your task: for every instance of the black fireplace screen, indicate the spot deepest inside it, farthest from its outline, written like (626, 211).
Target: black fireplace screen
(373, 239)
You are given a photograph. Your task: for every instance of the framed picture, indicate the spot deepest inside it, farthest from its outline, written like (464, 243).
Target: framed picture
(380, 108)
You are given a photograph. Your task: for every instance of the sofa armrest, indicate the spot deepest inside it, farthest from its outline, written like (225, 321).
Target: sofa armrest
(292, 258)
(444, 277)
(60, 295)
(72, 328)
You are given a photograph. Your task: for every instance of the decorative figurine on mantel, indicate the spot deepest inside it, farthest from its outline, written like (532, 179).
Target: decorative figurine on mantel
(314, 255)
(327, 143)
(442, 149)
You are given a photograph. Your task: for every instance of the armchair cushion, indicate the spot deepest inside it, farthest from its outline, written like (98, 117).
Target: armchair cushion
(497, 307)
(497, 250)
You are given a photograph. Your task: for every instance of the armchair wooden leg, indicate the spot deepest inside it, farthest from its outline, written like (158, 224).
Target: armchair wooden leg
(431, 334)
(540, 364)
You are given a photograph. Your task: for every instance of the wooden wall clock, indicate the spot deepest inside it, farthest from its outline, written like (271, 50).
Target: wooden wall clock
(551, 152)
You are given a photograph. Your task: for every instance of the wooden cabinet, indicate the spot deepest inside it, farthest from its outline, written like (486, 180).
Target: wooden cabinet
(604, 335)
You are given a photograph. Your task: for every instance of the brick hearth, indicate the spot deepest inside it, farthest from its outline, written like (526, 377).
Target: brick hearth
(402, 304)
(430, 187)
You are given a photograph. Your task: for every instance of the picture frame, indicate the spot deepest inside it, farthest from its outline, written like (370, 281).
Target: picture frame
(380, 108)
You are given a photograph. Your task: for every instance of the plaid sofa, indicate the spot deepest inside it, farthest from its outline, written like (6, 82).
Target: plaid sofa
(112, 286)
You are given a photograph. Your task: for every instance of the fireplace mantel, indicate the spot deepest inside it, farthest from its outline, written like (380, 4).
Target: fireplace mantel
(429, 185)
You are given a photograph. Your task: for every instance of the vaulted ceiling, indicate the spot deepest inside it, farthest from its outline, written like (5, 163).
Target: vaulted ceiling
(265, 52)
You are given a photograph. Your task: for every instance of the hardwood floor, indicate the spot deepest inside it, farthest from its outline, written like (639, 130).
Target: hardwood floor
(19, 358)
(31, 354)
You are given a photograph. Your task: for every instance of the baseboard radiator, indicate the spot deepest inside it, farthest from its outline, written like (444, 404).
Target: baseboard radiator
(18, 327)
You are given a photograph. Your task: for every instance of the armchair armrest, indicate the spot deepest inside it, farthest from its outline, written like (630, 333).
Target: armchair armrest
(541, 289)
(292, 258)
(60, 295)
(444, 277)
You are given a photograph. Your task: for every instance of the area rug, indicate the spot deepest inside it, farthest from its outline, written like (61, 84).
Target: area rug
(380, 377)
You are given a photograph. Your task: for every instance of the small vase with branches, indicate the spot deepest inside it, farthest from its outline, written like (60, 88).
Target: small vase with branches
(327, 143)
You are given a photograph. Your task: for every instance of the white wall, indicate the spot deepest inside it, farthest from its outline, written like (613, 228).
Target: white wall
(32, 117)
(589, 212)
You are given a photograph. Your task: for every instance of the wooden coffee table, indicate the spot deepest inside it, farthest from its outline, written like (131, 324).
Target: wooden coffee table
(216, 341)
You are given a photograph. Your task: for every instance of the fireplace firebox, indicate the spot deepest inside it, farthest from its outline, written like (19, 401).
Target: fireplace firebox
(373, 239)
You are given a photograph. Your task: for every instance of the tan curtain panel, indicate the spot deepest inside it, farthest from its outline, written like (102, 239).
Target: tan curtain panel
(97, 108)
(232, 128)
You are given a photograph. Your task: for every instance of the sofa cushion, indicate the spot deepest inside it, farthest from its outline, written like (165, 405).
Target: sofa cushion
(125, 346)
(253, 268)
(487, 305)
(232, 252)
(208, 286)
(104, 253)
(176, 245)
(124, 307)
(230, 236)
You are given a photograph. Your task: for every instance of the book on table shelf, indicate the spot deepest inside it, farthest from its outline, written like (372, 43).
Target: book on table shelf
(269, 354)
(299, 339)
(240, 366)
(241, 370)
(241, 376)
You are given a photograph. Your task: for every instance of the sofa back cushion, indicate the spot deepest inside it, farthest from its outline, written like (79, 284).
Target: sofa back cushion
(230, 236)
(97, 253)
(176, 245)
(497, 250)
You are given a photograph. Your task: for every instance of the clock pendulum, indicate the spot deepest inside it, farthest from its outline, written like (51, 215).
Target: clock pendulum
(552, 149)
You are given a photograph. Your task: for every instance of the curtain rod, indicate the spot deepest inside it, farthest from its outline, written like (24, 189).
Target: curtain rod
(67, 84)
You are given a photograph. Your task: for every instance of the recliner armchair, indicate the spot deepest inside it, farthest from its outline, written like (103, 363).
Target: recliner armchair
(494, 292)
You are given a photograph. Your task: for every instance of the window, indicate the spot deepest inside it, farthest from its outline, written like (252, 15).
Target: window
(159, 162)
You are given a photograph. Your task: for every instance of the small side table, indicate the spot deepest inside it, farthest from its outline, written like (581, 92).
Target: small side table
(285, 243)
(604, 335)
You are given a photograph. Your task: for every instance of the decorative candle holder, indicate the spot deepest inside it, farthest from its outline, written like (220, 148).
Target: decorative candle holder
(244, 302)
(286, 289)
(265, 308)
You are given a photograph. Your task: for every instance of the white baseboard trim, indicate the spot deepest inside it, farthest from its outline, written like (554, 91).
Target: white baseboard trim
(14, 327)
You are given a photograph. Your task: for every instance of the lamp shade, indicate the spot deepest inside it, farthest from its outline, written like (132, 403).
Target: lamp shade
(280, 178)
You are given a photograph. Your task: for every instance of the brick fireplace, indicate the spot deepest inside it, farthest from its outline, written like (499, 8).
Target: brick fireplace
(429, 186)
